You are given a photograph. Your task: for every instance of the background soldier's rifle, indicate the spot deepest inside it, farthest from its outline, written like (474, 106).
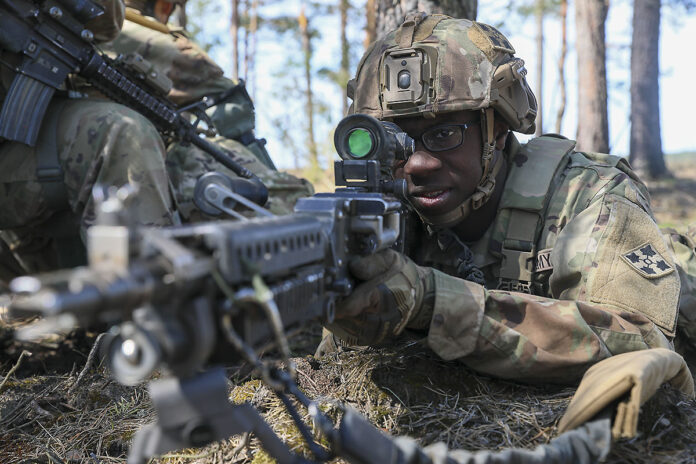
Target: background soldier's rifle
(177, 298)
(51, 38)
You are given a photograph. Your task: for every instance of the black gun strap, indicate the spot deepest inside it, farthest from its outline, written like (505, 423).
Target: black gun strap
(48, 170)
(63, 226)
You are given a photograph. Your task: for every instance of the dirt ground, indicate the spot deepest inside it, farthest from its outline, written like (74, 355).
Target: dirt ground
(674, 200)
(57, 408)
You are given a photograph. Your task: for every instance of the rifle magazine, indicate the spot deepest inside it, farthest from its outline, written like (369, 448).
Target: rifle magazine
(24, 109)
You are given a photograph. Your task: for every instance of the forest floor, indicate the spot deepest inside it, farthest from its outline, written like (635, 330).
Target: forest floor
(56, 408)
(674, 200)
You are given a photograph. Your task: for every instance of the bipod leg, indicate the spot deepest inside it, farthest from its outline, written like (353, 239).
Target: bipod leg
(194, 412)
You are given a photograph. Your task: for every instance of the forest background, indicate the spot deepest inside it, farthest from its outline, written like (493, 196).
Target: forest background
(57, 406)
(296, 57)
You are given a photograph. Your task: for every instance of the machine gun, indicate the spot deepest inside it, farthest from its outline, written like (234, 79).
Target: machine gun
(182, 299)
(51, 38)
(178, 299)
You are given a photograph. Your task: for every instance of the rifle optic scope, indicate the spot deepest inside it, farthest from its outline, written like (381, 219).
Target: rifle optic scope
(362, 137)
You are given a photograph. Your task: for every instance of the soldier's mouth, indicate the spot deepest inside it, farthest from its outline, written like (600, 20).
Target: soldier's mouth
(433, 194)
(430, 199)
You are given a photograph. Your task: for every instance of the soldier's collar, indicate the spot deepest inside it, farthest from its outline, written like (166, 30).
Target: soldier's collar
(481, 248)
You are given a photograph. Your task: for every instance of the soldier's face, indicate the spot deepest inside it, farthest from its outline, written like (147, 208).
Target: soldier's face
(439, 181)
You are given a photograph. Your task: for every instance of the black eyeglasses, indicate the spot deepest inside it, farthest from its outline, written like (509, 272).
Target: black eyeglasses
(444, 137)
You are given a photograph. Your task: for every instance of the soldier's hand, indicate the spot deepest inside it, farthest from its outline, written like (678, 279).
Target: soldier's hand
(389, 296)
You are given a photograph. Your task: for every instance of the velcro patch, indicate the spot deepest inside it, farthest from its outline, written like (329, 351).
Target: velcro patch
(646, 261)
(489, 40)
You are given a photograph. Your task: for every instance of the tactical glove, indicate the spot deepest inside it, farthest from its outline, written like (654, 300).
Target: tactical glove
(631, 379)
(394, 292)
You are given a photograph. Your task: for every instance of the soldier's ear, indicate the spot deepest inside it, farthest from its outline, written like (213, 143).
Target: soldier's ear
(500, 131)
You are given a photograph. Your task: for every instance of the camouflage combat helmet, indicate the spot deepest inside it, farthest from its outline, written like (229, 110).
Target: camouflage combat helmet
(435, 64)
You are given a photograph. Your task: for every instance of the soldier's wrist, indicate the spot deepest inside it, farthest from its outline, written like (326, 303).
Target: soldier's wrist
(420, 319)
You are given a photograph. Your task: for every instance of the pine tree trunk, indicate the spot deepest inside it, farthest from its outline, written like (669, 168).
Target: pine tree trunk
(391, 13)
(253, 28)
(539, 14)
(247, 11)
(179, 17)
(593, 123)
(646, 141)
(345, 55)
(563, 16)
(309, 105)
(234, 38)
(371, 25)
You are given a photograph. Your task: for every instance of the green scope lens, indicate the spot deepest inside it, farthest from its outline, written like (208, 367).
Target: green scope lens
(360, 143)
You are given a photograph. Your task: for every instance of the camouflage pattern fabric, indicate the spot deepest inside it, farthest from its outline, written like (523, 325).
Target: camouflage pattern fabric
(461, 61)
(98, 142)
(591, 303)
(594, 275)
(684, 246)
(185, 164)
(194, 75)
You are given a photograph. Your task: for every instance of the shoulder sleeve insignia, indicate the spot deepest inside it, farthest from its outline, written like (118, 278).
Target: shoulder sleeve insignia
(646, 261)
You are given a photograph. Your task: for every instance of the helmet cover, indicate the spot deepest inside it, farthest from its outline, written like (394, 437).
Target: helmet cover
(437, 64)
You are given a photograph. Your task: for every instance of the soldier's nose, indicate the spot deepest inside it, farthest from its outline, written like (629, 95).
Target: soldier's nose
(422, 163)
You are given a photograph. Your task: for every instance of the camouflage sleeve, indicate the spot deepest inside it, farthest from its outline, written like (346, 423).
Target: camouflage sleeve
(107, 26)
(192, 72)
(613, 284)
(185, 164)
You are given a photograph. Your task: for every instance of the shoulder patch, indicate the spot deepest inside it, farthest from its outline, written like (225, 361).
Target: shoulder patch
(632, 268)
(646, 261)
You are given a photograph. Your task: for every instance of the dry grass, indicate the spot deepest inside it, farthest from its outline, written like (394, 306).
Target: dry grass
(674, 200)
(405, 391)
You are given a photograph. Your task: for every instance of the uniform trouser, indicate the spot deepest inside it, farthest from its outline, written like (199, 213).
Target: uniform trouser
(97, 143)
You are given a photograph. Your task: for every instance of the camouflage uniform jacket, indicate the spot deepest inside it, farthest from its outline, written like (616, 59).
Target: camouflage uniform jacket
(193, 73)
(604, 280)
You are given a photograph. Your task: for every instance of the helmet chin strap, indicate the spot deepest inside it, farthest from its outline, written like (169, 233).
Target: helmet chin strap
(491, 161)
